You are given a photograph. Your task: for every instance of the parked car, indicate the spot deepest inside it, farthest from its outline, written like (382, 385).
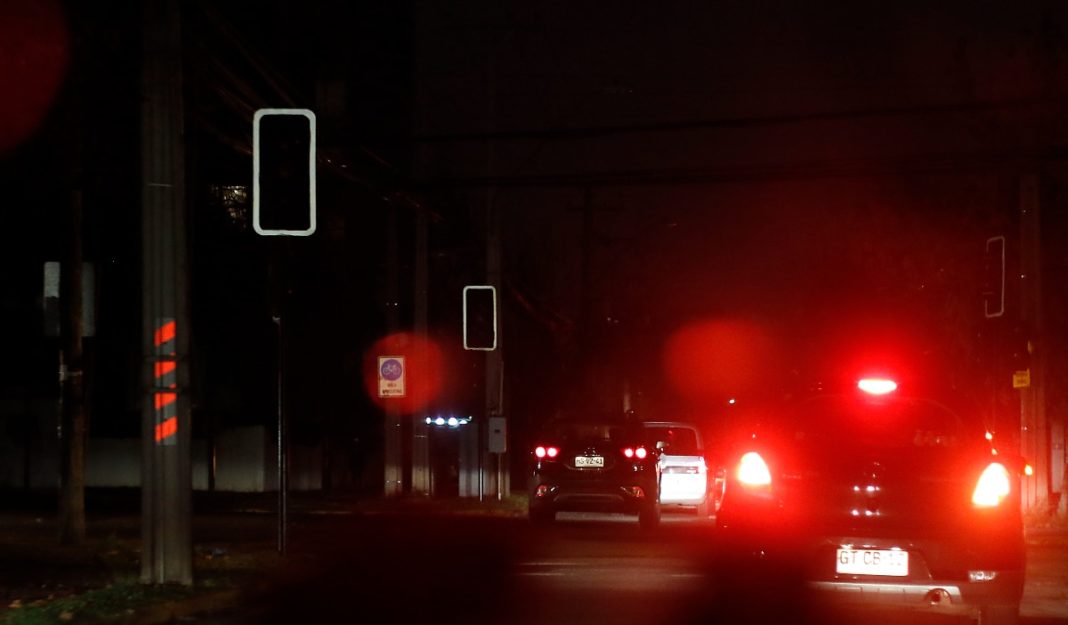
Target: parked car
(883, 499)
(684, 475)
(594, 465)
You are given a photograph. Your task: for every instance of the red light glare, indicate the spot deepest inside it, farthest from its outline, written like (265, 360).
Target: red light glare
(552, 452)
(877, 386)
(628, 452)
(640, 453)
(718, 359)
(753, 471)
(993, 486)
(540, 451)
(423, 372)
(34, 56)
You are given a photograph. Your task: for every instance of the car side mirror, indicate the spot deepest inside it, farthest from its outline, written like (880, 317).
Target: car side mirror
(660, 445)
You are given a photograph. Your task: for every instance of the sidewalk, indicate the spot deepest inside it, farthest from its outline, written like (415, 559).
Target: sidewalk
(235, 543)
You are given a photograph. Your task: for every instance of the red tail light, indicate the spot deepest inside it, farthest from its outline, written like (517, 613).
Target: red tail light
(636, 452)
(993, 486)
(753, 471)
(546, 452)
(877, 386)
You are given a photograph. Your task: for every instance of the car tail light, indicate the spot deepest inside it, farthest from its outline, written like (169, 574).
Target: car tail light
(546, 452)
(753, 471)
(877, 386)
(635, 452)
(993, 486)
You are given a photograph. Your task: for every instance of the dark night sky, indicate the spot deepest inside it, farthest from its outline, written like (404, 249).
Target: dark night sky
(804, 167)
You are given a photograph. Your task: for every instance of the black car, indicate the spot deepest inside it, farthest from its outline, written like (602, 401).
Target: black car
(599, 466)
(882, 499)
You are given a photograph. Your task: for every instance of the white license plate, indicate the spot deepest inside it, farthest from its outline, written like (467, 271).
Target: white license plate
(892, 562)
(589, 461)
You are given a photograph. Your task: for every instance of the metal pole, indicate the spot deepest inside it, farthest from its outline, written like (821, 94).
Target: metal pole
(282, 473)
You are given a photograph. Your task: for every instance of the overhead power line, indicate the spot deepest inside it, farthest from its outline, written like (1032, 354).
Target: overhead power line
(565, 133)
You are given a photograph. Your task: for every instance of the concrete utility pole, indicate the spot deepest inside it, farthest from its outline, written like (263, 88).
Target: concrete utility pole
(495, 358)
(393, 441)
(420, 442)
(166, 476)
(73, 430)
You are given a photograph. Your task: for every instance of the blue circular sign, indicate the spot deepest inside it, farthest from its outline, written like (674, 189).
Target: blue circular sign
(392, 370)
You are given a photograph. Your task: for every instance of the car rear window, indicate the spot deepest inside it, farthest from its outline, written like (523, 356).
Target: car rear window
(898, 424)
(594, 432)
(678, 441)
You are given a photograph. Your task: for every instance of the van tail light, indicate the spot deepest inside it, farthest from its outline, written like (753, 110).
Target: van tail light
(753, 471)
(993, 486)
(636, 452)
(542, 452)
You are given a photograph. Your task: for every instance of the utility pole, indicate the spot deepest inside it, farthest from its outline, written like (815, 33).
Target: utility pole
(166, 476)
(420, 441)
(495, 358)
(393, 441)
(72, 430)
(1033, 427)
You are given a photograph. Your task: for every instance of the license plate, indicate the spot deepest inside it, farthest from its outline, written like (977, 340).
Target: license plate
(589, 461)
(892, 562)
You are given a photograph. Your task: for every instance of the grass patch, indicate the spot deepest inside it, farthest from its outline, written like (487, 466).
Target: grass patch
(120, 599)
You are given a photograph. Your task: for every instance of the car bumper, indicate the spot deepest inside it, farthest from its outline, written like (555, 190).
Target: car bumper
(683, 489)
(610, 496)
(943, 574)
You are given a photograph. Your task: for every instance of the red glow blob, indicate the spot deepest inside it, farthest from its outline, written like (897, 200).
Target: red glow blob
(717, 358)
(422, 373)
(34, 53)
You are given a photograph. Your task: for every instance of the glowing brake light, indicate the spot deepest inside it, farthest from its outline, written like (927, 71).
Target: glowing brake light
(877, 386)
(543, 452)
(640, 453)
(753, 471)
(993, 486)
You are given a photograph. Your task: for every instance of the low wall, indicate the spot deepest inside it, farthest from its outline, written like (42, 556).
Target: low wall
(246, 460)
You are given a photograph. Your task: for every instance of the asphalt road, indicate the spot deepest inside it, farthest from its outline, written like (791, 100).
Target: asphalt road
(585, 569)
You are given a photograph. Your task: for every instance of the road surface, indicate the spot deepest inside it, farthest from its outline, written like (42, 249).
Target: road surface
(586, 569)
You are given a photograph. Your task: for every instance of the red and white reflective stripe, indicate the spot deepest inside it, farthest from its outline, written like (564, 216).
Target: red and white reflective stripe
(165, 375)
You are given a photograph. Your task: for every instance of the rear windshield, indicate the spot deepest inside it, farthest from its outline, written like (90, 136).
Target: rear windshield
(678, 441)
(899, 425)
(594, 432)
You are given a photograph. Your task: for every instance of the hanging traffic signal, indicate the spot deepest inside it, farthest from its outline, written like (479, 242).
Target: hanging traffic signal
(480, 318)
(283, 172)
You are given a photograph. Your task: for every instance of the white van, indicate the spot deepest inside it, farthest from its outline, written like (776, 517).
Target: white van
(684, 477)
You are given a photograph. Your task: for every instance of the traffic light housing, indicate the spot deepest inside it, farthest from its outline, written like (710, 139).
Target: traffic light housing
(283, 172)
(480, 318)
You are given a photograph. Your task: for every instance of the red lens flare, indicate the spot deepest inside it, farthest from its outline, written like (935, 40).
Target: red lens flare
(34, 54)
(404, 371)
(717, 358)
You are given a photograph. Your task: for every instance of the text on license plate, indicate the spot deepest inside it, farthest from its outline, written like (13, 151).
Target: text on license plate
(894, 562)
(589, 461)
